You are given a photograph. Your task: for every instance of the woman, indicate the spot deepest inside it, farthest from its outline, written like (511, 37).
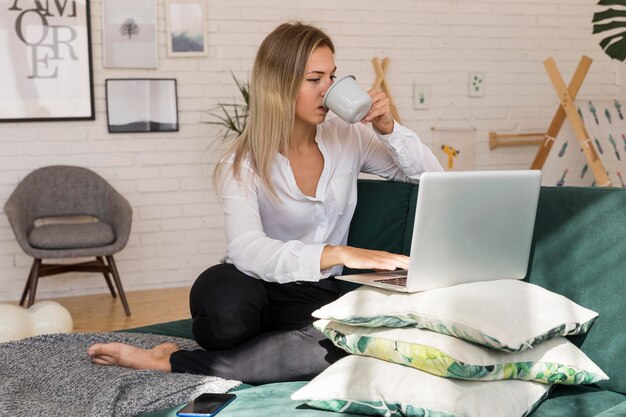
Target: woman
(288, 190)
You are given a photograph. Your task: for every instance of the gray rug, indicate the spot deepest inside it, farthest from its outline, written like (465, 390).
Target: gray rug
(53, 376)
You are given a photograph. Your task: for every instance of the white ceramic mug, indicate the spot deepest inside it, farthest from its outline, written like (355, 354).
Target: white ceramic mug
(347, 100)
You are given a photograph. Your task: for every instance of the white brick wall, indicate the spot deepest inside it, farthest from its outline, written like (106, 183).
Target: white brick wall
(178, 227)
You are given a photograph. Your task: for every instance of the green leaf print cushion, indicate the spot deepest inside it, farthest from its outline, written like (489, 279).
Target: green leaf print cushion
(556, 361)
(508, 315)
(363, 385)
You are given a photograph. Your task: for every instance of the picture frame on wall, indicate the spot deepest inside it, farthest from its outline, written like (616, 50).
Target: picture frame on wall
(129, 34)
(45, 61)
(185, 22)
(137, 105)
(421, 96)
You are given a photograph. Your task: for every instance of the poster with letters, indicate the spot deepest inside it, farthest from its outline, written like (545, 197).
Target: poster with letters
(45, 60)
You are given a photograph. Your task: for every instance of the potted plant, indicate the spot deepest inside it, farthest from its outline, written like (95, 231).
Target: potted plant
(232, 117)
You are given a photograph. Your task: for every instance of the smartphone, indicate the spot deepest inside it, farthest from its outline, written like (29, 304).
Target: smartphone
(206, 405)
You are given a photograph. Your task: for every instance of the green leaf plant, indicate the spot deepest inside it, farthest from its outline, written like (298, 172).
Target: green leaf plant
(232, 117)
(611, 23)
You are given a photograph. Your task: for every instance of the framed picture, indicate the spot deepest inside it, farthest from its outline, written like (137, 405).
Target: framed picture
(476, 84)
(129, 34)
(45, 61)
(421, 97)
(186, 28)
(141, 105)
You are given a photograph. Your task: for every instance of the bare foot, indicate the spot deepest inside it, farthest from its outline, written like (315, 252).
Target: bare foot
(120, 354)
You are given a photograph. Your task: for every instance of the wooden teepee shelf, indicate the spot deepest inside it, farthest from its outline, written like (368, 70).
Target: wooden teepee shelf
(567, 111)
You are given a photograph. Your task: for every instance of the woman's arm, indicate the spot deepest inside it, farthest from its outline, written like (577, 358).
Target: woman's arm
(397, 153)
(392, 150)
(250, 249)
(361, 258)
(256, 254)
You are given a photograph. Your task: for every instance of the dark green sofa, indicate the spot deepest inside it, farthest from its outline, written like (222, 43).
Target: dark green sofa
(579, 250)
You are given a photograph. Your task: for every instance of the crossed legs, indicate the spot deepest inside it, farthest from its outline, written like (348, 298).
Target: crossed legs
(249, 330)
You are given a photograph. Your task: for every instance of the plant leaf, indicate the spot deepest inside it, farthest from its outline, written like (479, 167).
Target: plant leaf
(618, 49)
(232, 117)
(604, 43)
(608, 20)
(608, 14)
(611, 3)
(609, 26)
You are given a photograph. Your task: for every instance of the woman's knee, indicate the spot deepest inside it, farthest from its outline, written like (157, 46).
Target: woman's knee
(218, 287)
(227, 307)
(206, 286)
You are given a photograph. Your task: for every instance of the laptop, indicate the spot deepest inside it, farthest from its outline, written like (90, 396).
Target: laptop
(469, 226)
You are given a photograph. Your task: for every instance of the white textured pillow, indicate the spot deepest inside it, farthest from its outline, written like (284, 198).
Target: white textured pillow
(556, 361)
(506, 315)
(362, 385)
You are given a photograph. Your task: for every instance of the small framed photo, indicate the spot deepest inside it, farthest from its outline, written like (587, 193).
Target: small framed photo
(476, 84)
(186, 28)
(45, 64)
(141, 105)
(129, 34)
(421, 97)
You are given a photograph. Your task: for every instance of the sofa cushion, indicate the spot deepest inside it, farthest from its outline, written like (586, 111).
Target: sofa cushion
(578, 252)
(71, 236)
(507, 315)
(370, 229)
(269, 400)
(556, 361)
(366, 385)
(617, 411)
(178, 328)
(579, 401)
(273, 400)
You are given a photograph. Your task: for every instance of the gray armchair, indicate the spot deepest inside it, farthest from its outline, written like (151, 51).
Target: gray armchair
(58, 192)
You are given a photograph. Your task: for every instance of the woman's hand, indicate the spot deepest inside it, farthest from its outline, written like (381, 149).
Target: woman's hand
(362, 258)
(380, 112)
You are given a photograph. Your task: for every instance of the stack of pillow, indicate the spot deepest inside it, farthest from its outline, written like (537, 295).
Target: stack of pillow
(481, 349)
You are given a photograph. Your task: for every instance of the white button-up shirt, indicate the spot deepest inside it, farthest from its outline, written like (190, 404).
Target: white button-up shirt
(282, 240)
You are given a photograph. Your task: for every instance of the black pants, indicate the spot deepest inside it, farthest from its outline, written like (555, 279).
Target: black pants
(255, 331)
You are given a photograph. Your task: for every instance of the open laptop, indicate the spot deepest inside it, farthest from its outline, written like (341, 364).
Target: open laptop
(469, 226)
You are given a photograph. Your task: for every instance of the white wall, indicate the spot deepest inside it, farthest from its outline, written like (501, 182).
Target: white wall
(177, 226)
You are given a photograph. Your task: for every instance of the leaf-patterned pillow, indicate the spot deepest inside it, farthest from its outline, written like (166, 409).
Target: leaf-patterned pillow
(508, 315)
(556, 361)
(362, 385)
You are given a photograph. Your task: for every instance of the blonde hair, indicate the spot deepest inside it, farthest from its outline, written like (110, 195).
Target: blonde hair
(277, 75)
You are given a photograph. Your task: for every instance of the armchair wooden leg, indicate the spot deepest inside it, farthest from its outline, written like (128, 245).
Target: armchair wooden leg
(118, 284)
(33, 282)
(27, 286)
(107, 278)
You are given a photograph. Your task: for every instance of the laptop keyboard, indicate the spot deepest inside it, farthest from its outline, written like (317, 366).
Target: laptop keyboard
(399, 280)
